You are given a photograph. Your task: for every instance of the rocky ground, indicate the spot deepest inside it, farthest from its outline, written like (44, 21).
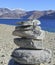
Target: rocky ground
(7, 45)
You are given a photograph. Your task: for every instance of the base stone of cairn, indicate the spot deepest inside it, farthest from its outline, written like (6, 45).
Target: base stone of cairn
(25, 56)
(30, 40)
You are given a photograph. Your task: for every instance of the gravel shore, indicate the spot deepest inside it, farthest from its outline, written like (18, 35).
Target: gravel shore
(7, 45)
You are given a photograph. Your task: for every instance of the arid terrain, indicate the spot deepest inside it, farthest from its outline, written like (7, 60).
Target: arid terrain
(7, 45)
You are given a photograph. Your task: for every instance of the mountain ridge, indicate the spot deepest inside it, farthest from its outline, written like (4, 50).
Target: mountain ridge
(6, 13)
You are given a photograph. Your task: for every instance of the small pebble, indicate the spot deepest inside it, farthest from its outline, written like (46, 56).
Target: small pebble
(1, 62)
(3, 56)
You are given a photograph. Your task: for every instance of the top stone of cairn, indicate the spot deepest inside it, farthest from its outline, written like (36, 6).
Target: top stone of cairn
(31, 22)
(29, 29)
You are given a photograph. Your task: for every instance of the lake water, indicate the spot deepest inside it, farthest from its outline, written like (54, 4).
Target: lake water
(46, 24)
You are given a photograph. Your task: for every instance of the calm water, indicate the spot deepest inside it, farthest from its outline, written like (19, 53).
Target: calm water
(46, 24)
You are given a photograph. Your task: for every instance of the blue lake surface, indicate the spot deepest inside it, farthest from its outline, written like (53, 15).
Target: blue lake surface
(46, 24)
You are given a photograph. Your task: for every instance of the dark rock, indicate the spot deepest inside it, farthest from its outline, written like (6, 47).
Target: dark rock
(28, 43)
(3, 56)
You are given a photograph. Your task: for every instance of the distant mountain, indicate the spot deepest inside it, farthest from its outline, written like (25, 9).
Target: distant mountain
(7, 13)
(50, 14)
(19, 13)
(4, 10)
(33, 14)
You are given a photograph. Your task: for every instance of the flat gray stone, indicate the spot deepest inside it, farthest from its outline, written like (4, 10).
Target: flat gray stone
(30, 34)
(24, 28)
(26, 34)
(27, 28)
(32, 56)
(28, 43)
(31, 22)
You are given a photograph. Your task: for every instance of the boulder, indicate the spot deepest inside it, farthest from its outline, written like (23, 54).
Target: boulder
(26, 56)
(28, 43)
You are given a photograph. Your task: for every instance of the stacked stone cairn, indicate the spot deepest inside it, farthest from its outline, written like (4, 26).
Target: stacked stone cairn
(30, 42)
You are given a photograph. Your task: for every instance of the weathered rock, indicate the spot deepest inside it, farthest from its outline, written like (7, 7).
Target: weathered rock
(28, 43)
(31, 22)
(25, 56)
(22, 34)
(24, 28)
(27, 28)
(35, 34)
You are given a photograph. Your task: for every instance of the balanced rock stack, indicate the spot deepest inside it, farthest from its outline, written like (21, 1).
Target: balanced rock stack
(30, 41)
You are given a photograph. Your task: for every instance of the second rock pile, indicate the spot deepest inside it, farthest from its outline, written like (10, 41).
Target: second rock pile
(30, 40)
